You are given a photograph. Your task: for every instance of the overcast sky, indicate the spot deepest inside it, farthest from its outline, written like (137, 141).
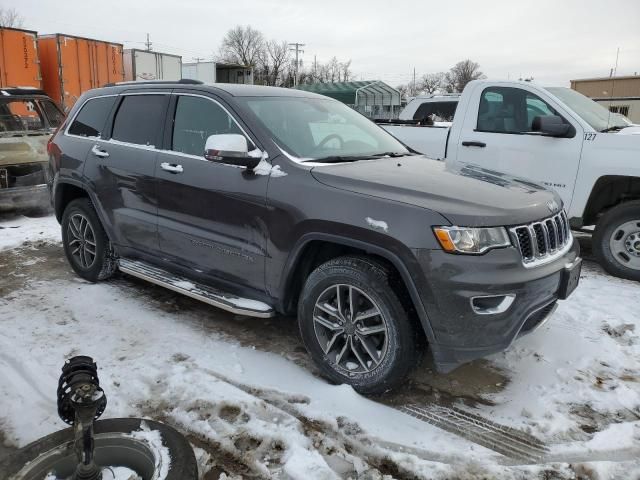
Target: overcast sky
(552, 40)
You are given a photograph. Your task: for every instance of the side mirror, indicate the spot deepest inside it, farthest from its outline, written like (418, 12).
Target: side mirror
(230, 148)
(552, 126)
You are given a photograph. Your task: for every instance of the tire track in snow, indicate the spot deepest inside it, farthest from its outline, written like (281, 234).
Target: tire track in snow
(507, 441)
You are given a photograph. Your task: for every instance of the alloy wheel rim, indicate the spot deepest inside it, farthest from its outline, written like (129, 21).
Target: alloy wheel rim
(625, 244)
(351, 329)
(82, 244)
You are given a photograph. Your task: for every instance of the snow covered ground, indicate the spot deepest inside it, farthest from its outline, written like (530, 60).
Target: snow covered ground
(563, 402)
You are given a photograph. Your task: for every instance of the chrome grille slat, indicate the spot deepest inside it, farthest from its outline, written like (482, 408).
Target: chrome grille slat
(544, 241)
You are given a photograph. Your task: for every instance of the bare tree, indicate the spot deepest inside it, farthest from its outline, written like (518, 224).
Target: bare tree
(345, 70)
(432, 82)
(243, 45)
(276, 61)
(9, 17)
(462, 73)
(404, 91)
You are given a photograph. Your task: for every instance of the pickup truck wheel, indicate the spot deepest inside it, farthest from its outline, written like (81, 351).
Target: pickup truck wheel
(85, 242)
(354, 325)
(616, 241)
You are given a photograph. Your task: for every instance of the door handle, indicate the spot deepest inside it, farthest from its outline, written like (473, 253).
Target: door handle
(474, 144)
(99, 152)
(171, 167)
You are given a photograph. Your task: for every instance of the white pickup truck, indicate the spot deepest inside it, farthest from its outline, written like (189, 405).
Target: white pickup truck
(556, 137)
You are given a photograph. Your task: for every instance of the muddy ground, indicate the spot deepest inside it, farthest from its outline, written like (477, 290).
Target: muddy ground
(41, 261)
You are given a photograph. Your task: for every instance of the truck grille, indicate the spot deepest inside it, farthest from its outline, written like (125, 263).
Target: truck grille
(544, 241)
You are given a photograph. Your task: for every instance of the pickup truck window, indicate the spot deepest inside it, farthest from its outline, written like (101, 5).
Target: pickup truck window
(195, 120)
(591, 112)
(139, 119)
(444, 111)
(313, 128)
(20, 116)
(510, 110)
(91, 119)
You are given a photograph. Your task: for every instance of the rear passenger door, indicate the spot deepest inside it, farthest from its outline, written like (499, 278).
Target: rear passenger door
(122, 169)
(211, 216)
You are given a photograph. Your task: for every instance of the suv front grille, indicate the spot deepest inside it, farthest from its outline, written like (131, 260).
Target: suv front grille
(544, 241)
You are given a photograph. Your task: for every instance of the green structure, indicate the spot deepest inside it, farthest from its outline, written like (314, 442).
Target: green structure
(374, 99)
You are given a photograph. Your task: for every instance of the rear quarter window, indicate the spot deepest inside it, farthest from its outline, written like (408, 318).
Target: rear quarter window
(92, 118)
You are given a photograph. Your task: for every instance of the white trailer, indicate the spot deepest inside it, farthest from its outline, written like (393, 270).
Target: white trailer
(148, 65)
(214, 72)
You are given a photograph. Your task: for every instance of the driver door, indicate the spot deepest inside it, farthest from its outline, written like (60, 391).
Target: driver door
(210, 215)
(502, 139)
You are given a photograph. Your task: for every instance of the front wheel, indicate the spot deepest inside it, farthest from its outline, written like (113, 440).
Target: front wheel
(616, 241)
(143, 448)
(355, 326)
(85, 242)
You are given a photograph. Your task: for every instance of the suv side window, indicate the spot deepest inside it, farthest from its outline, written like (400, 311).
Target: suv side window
(510, 110)
(139, 119)
(197, 118)
(91, 119)
(52, 112)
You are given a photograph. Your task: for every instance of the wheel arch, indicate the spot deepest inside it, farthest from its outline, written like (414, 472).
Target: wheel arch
(608, 192)
(313, 249)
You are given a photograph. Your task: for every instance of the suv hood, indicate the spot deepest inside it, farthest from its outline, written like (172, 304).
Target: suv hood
(468, 196)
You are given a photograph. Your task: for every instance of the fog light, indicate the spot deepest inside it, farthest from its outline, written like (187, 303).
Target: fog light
(492, 304)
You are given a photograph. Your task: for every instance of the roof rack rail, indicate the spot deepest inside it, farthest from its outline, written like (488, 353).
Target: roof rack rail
(186, 81)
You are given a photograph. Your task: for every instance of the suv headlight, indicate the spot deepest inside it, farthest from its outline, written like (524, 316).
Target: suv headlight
(471, 240)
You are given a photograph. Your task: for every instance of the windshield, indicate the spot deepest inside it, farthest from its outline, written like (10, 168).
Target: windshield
(591, 112)
(313, 129)
(20, 116)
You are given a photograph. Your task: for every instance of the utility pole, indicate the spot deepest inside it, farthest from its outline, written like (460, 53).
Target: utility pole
(296, 48)
(198, 59)
(148, 43)
(414, 81)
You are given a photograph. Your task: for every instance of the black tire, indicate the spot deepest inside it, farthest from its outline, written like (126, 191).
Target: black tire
(103, 264)
(608, 229)
(376, 283)
(183, 462)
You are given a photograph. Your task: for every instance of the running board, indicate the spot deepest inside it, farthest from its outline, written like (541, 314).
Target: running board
(199, 291)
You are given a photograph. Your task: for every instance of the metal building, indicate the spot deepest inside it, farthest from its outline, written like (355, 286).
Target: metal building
(374, 98)
(618, 94)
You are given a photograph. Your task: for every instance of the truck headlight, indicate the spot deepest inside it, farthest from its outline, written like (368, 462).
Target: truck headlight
(471, 240)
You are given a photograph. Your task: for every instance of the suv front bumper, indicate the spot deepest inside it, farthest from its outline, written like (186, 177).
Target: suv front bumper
(452, 282)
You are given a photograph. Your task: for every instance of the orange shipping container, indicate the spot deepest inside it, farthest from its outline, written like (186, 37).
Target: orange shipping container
(19, 65)
(71, 65)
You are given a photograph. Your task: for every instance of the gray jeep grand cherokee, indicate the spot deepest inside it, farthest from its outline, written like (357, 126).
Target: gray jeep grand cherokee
(266, 201)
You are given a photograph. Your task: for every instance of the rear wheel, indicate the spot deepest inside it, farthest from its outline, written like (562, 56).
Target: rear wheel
(354, 325)
(616, 241)
(85, 242)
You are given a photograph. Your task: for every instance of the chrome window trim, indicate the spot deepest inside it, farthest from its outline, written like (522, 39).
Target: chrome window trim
(113, 141)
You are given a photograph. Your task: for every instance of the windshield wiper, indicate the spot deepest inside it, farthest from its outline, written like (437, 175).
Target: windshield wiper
(340, 158)
(392, 154)
(614, 128)
(355, 158)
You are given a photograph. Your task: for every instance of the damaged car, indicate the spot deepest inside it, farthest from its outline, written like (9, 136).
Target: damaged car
(28, 117)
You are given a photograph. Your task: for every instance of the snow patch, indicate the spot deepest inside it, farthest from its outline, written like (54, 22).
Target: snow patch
(184, 285)
(377, 224)
(265, 168)
(153, 439)
(18, 230)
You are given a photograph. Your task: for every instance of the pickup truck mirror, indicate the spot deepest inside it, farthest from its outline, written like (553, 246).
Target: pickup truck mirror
(552, 126)
(230, 148)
